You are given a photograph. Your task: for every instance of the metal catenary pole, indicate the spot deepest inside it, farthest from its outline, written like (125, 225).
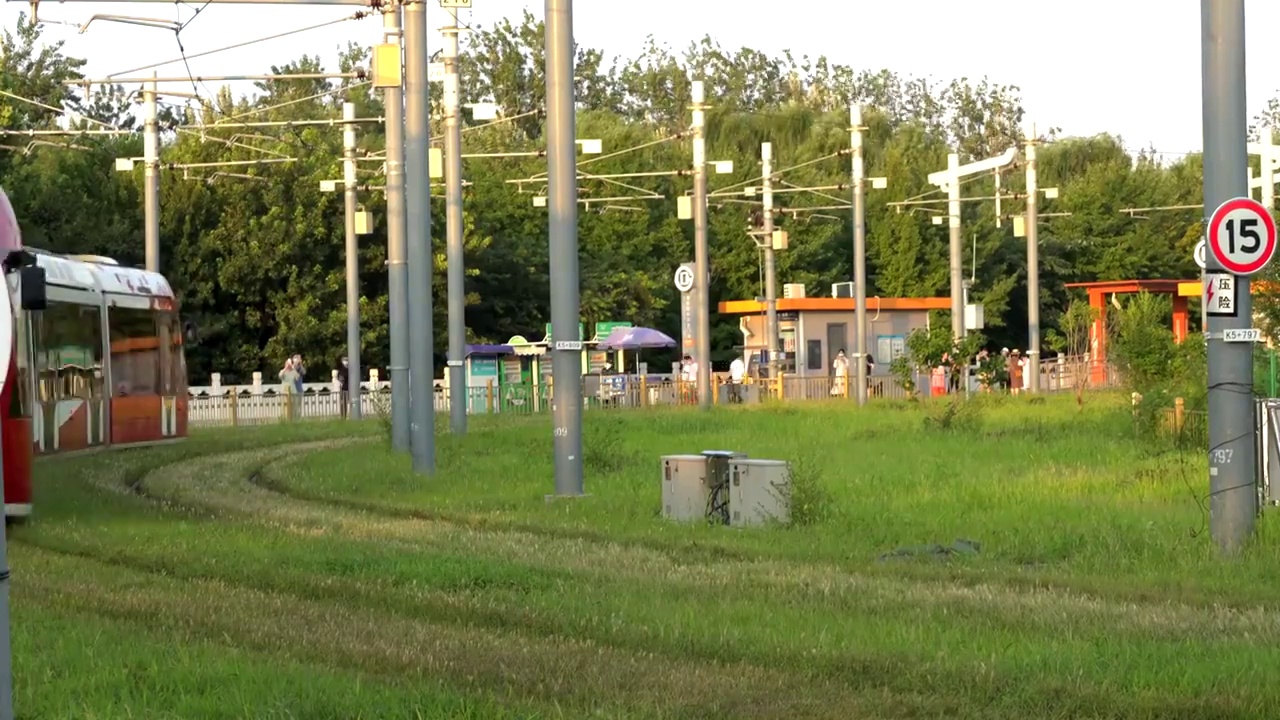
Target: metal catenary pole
(1233, 497)
(562, 207)
(453, 222)
(770, 261)
(151, 174)
(701, 269)
(859, 254)
(397, 273)
(1033, 265)
(352, 258)
(418, 217)
(956, 248)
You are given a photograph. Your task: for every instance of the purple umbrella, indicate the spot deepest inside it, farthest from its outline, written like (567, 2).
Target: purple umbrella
(636, 338)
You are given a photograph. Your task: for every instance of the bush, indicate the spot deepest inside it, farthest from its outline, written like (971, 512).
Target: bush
(955, 414)
(810, 501)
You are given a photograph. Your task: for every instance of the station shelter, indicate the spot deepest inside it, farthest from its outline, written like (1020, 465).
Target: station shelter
(1099, 292)
(812, 330)
(516, 375)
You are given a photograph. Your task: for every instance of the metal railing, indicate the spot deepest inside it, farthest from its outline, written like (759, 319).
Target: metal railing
(214, 406)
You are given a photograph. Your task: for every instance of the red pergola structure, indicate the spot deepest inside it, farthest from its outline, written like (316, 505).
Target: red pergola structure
(1098, 292)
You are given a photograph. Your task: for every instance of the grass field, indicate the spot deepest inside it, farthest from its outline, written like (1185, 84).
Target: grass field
(303, 572)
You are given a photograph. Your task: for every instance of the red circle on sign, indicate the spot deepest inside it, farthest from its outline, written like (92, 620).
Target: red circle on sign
(1234, 258)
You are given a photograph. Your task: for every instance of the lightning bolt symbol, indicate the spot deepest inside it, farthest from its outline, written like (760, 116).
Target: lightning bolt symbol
(1210, 295)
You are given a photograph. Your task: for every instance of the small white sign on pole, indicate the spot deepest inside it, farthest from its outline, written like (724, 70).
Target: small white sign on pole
(684, 278)
(1202, 254)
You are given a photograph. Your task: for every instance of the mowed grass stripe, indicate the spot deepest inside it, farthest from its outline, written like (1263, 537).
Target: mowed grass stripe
(898, 615)
(80, 664)
(576, 673)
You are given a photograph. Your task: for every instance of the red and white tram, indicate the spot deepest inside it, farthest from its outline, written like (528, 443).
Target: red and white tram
(97, 358)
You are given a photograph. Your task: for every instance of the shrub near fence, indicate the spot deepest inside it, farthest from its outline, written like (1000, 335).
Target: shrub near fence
(1185, 427)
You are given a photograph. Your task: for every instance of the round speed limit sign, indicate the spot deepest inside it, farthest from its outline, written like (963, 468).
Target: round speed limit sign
(1242, 236)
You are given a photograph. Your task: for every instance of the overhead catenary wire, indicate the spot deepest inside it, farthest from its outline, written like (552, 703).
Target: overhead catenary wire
(204, 53)
(734, 187)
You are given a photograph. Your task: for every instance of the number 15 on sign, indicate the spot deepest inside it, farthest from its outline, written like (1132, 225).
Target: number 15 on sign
(1242, 236)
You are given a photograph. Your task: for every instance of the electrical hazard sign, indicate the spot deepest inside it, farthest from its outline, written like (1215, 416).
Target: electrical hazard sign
(1220, 294)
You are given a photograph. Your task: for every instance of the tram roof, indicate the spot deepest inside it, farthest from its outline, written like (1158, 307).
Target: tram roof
(100, 274)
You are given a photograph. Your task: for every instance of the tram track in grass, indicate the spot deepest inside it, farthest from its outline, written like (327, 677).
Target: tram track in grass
(817, 638)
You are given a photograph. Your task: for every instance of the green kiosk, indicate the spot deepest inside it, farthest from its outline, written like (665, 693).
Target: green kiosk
(484, 371)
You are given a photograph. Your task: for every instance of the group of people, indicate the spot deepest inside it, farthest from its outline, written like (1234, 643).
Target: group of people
(1010, 369)
(294, 374)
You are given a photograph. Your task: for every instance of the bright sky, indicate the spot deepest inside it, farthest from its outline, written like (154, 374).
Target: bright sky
(1126, 66)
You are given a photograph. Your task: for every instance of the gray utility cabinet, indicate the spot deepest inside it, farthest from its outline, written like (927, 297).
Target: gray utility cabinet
(1268, 449)
(685, 487)
(759, 492)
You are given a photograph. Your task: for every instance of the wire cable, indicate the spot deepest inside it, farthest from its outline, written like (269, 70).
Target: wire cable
(258, 111)
(725, 190)
(246, 43)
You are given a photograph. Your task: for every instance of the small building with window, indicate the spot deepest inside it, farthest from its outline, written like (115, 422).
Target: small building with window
(812, 330)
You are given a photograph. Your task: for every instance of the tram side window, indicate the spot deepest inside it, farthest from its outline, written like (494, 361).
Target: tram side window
(177, 357)
(20, 398)
(173, 367)
(68, 351)
(135, 352)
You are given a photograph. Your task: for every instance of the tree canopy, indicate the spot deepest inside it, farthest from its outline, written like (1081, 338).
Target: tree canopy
(256, 252)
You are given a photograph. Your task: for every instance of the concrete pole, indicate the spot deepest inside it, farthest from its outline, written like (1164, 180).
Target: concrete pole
(957, 260)
(151, 174)
(1233, 500)
(701, 266)
(453, 222)
(353, 258)
(562, 207)
(770, 261)
(422, 410)
(859, 255)
(397, 273)
(957, 252)
(1033, 264)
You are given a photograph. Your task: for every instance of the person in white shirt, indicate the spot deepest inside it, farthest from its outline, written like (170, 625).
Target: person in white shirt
(689, 378)
(840, 366)
(737, 371)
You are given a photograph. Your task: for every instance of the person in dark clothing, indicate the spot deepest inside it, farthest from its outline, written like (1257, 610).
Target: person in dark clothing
(344, 382)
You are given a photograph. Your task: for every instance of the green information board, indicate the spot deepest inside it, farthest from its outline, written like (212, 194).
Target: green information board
(603, 329)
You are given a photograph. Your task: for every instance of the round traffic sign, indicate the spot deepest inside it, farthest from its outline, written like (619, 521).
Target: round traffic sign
(684, 278)
(1242, 236)
(1202, 251)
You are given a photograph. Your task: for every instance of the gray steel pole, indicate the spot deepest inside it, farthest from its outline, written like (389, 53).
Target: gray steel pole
(1033, 265)
(1233, 501)
(859, 254)
(701, 269)
(770, 262)
(957, 251)
(453, 223)
(353, 259)
(422, 411)
(151, 174)
(957, 264)
(562, 207)
(397, 273)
